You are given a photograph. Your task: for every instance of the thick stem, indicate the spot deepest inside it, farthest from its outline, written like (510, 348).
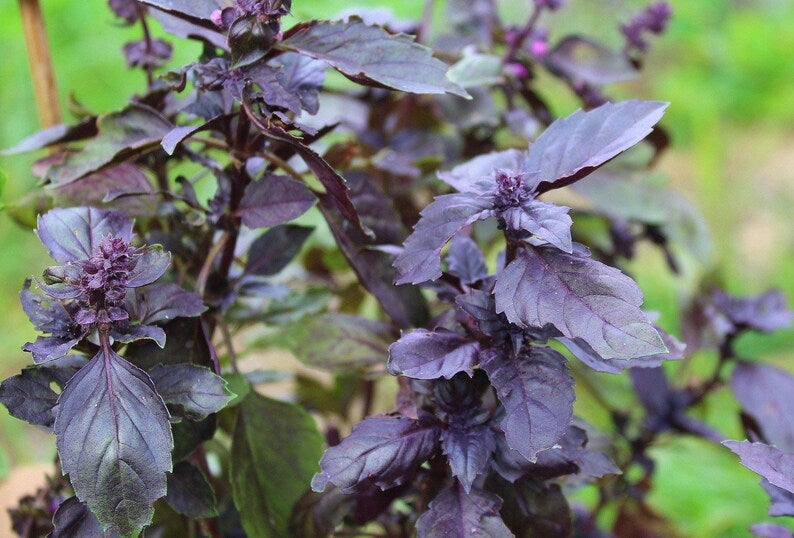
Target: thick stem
(41, 69)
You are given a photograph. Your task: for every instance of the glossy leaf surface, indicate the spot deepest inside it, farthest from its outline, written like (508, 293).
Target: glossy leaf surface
(370, 54)
(423, 354)
(275, 449)
(579, 296)
(536, 390)
(114, 440)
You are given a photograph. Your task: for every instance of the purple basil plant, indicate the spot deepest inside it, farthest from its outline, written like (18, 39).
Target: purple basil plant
(172, 222)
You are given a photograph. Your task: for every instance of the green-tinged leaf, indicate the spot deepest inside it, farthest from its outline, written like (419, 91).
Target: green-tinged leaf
(189, 493)
(275, 450)
(369, 54)
(25, 210)
(122, 135)
(630, 194)
(476, 70)
(192, 391)
(114, 440)
(116, 180)
(336, 341)
(238, 385)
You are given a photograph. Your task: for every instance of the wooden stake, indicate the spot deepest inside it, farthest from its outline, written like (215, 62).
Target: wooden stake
(41, 69)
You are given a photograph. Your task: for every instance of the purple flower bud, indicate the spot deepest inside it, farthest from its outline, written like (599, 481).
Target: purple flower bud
(539, 48)
(510, 190)
(517, 70)
(653, 19)
(217, 18)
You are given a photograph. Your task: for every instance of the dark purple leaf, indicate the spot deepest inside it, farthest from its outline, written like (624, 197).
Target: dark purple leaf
(274, 249)
(147, 54)
(582, 351)
(466, 260)
(318, 514)
(274, 200)
(574, 146)
(420, 259)
(199, 9)
(275, 448)
(481, 306)
(175, 136)
(150, 264)
(579, 296)
(369, 54)
(189, 493)
(185, 343)
(193, 392)
(479, 174)
(422, 354)
(303, 77)
(654, 392)
(133, 333)
(250, 40)
(71, 234)
(570, 456)
(782, 501)
(266, 83)
(336, 342)
(73, 519)
(57, 134)
(548, 222)
(765, 394)
(188, 27)
(29, 396)
(49, 348)
(134, 130)
(405, 304)
(114, 440)
(385, 450)
(457, 513)
(533, 508)
(336, 188)
(770, 462)
(536, 390)
(771, 530)
(767, 312)
(164, 302)
(130, 189)
(583, 60)
(468, 450)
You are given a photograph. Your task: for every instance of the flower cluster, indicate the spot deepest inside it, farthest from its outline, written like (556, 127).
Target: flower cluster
(264, 10)
(510, 190)
(653, 19)
(103, 282)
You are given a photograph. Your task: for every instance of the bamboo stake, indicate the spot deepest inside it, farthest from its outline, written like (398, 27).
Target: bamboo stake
(41, 69)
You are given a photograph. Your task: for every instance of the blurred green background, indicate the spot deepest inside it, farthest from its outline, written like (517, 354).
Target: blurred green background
(726, 66)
